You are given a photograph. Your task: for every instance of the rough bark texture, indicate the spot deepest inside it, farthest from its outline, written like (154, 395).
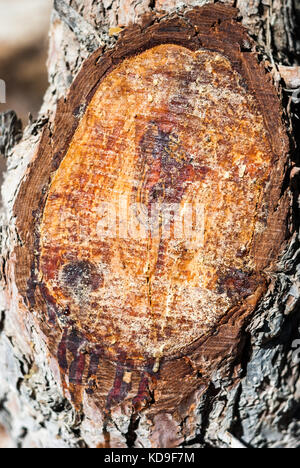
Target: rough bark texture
(255, 395)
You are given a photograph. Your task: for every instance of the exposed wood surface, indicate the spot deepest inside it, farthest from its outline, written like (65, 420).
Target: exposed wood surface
(24, 27)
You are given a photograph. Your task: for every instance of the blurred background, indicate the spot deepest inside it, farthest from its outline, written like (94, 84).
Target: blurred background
(24, 26)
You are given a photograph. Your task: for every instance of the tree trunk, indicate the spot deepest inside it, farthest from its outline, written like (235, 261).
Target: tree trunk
(192, 105)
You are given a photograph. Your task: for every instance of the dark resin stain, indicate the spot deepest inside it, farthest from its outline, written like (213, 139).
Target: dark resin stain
(80, 276)
(236, 283)
(161, 139)
(120, 388)
(168, 167)
(71, 355)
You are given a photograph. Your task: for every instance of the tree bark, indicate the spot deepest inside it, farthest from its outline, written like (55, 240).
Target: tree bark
(240, 386)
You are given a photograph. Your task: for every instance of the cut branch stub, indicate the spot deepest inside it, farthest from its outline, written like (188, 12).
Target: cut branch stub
(153, 213)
